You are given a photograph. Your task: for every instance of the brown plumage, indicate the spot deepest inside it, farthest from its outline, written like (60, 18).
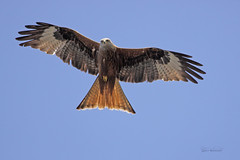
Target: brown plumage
(110, 63)
(113, 98)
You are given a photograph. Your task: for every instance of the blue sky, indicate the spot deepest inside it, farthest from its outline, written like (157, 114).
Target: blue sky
(174, 120)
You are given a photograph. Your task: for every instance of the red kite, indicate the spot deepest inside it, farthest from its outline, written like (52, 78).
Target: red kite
(111, 63)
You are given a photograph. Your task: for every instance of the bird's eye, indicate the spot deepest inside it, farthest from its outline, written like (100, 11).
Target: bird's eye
(107, 40)
(101, 41)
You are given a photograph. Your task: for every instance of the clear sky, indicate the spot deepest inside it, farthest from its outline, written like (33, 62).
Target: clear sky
(174, 120)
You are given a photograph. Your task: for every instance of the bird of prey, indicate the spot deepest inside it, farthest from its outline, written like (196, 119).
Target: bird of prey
(111, 63)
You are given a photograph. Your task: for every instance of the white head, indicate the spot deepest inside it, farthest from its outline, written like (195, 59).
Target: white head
(106, 43)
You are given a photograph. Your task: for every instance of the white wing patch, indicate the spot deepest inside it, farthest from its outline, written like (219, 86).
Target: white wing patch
(48, 43)
(65, 43)
(150, 70)
(170, 71)
(48, 31)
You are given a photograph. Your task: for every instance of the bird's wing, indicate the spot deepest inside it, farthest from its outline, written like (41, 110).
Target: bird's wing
(149, 64)
(66, 43)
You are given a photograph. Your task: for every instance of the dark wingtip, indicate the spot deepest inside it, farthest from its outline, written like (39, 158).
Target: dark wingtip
(40, 23)
(24, 32)
(181, 54)
(30, 26)
(18, 38)
(194, 81)
(21, 44)
(43, 24)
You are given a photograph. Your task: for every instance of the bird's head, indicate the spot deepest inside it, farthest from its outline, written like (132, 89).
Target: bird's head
(106, 43)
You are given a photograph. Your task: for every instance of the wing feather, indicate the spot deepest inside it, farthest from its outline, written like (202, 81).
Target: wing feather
(150, 64)
(67, 44)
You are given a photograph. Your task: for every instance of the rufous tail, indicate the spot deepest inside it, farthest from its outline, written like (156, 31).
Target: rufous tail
(112, 100)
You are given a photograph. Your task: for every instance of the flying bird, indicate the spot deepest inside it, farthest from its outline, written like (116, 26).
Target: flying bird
(110, 63)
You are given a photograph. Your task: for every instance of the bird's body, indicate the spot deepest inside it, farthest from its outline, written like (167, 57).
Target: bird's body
(111, 63)
(106, 90)
(107, 63)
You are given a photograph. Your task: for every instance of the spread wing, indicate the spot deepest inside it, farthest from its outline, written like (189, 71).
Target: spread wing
(149, 64)
(66, 43)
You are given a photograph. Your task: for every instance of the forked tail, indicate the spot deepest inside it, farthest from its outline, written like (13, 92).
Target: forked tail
(112, 100)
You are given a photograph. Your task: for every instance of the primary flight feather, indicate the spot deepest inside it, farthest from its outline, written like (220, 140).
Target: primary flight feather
(110, 63)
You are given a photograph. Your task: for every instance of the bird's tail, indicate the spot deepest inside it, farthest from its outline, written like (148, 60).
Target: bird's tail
(112, 100)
